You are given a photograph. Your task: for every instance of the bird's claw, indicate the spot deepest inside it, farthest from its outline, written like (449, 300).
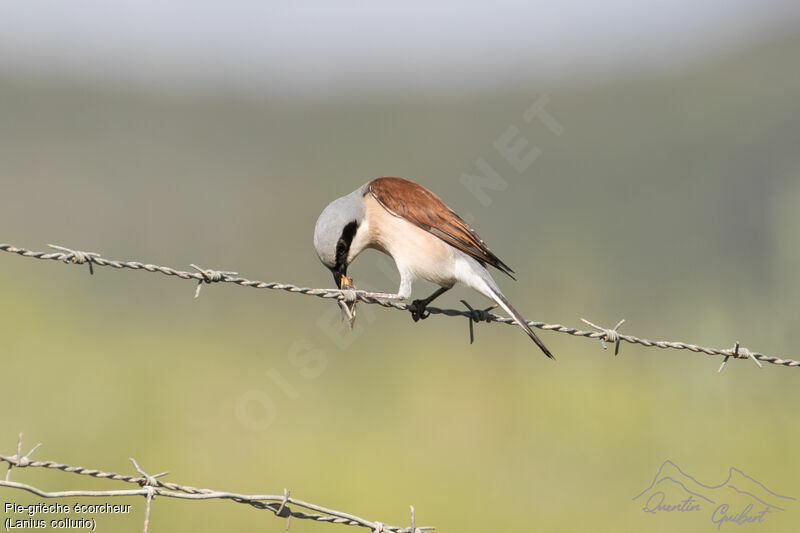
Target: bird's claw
(418, 310)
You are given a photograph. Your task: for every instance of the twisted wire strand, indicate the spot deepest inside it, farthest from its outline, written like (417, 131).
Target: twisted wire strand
(474, 315)
(149, 486)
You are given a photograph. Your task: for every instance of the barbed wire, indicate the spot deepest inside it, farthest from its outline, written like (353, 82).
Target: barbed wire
(203, 275)
(150, 486)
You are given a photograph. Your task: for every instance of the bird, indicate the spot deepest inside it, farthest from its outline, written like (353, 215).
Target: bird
(423, 235)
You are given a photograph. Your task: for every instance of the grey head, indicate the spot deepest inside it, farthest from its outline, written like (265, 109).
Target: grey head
(335, 229)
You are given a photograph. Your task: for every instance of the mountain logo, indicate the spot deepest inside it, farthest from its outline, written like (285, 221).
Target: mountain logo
(740, 499)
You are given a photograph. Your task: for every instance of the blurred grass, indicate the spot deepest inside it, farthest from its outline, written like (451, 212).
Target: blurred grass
(671, 201)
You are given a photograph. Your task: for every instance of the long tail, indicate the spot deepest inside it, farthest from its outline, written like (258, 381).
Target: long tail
(506, 305)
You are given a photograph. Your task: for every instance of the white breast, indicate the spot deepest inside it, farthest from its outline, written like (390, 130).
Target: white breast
(415, 251)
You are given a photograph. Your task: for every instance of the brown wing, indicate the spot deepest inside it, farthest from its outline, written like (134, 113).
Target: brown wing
(418, 205)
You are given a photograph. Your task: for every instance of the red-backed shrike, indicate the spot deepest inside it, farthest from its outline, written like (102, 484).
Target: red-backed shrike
(420, 232)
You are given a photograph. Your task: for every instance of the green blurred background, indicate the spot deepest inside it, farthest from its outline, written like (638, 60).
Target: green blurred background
(670, 199)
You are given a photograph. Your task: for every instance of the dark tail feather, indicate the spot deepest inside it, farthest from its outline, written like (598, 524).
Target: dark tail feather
(505, 304)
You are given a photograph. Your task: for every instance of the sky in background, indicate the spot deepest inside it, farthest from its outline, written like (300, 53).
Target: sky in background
(322, 46)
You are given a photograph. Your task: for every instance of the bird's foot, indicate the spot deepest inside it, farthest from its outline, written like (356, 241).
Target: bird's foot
(419, 310)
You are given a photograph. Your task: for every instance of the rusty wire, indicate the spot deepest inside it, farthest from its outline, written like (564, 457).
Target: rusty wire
(151, 486)
(611, 335)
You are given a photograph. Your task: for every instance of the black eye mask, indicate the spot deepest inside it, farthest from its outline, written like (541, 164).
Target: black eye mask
(343, 246)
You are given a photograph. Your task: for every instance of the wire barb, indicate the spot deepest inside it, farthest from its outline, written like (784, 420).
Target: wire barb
(347, 303)
(725, 361)
(606, 335)
(76, 256)
(283, 509)
(477, 315)
(147, 479)
(610, 335)
(19, 460)
(210, 276)
(739, 352)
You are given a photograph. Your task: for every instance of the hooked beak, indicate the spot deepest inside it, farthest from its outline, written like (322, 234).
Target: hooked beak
(339, 276)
